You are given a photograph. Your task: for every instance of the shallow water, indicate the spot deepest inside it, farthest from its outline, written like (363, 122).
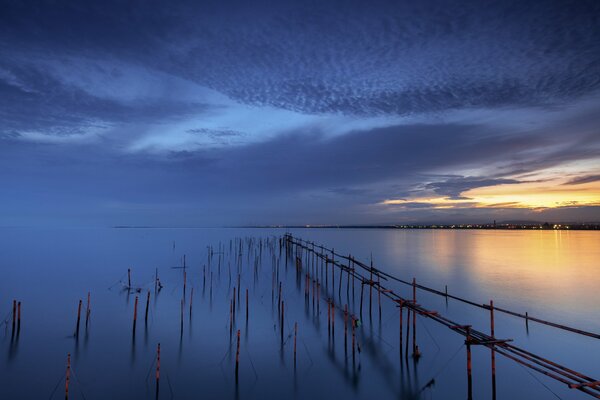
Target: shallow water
(550, 274)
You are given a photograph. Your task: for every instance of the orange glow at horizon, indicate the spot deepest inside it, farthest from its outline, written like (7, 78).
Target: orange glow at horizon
(530, 195)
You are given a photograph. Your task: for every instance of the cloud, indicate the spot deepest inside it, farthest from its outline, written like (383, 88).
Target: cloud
(583, 179)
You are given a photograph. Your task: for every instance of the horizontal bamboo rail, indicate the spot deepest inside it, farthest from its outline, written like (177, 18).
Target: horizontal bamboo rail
(569, 377)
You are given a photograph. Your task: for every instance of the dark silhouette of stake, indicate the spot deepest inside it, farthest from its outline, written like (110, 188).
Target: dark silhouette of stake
(493, 351)
(295, 335)
(237, 357)
(129, 278)
(18, 318)
(469, 377)
(246, 305)
(78, 319)
(282, 316)
(135, 313)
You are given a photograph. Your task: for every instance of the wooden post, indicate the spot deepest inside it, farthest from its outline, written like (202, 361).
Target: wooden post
(18, 317)
(78, 319)
(246, 305)
(237, 356)
(135, 313)
(469, 377)
(156, 281)
(379, 294)
(415, 347)
(371, 288)
(493, 351)
(147, 306)
(295, 335)
(68, 376)
(401, 306)
(129, 278)
(332, 317)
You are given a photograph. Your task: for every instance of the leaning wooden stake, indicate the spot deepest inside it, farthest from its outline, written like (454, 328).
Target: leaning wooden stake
(78, 319)
(135, 313)
(295, 335)
(18, 318)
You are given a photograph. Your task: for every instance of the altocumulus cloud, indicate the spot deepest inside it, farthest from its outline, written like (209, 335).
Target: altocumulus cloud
(294, 112)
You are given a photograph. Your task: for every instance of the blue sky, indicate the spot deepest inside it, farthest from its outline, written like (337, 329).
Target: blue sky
(337, 112)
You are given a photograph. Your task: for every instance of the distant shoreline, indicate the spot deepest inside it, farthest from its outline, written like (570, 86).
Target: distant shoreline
(539, 227)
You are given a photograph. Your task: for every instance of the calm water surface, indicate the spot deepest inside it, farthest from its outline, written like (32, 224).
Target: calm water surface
(551, 275)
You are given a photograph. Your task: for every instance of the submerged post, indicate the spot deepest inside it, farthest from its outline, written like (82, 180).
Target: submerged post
(14, 316)
(129, 278)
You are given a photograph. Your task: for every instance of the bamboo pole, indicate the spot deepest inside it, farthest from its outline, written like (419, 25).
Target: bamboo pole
(135, 313)
(237, 356)
(78, 319)
(493, 351)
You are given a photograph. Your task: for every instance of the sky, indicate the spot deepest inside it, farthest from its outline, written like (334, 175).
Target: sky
(224, 113)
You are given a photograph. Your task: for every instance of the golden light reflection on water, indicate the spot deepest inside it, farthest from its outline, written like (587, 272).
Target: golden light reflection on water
(556, 271)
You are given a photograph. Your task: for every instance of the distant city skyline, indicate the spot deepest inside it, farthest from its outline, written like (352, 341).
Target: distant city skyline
(230, 113)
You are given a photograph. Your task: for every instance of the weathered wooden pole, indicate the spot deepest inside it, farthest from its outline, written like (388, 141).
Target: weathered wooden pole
(493, 351)
(469, 367)
(68, 376)
(371, 288)
(295, 335)
(147, 306)
(135, 313)
(416, 353)
(78, 319)
(237, 356)
(401, 306)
